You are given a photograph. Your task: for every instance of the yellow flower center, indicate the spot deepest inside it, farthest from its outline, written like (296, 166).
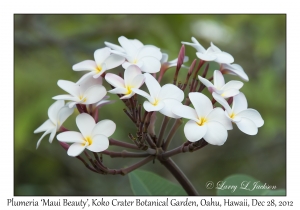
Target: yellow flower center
(135, 61)
(128, 90)
(89, 140)
(82, 98)
(232, 115)
(202, 121)
(155, 102)
(98, 69)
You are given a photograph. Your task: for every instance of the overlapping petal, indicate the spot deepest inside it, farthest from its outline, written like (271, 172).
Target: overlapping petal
(76, 149)
(193, 132)
(247, 126)
(100, 143)
(216, 133)
(201, 103)
(85, 124)
(104, 127)
(252, 115)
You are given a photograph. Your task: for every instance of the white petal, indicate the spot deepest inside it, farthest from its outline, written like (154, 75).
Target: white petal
(229, 93)
(168, 105)
(113, 61)
(247, 126)
(234, 69)
(87, 65)
(130, 73)
(223, 102)
(94, 94)
(137, 43)
(152, 85)
(118, 91)
(52, 135)
(194, 132)
(64, 113)
(100, 55)
(76, 149)
(85, 123)
(115, 80)
(201, 103)
(185, 112)
(128, 46)
(65, 97)
(144, 94)
(170, 91)
(150, 64)
(216, 133)
(151, 51)
(150, 107)
(104, 127)
(239, 103)
(47, 125)
(70, 87)
(88, 82)
(218, 115)
(86, 77)
(219, 81)
(252, 115)
(114, 47)
(127, 96)
(233, 85)
(54, 109)
(138, 81)
(195, 44)
(224, 57)
(214, 48)
(44, 134)
(205, 82)
(164, 58)
(100, 143)
(70, 137)
(206, 57)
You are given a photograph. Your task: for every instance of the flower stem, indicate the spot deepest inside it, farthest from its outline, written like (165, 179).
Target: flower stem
(172, 132)
(162, 131)
(125, 154)
(122, 144)
(136, 165)
(180, 176)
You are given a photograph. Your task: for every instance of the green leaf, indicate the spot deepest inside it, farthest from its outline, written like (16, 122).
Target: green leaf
(239, 184)
(147, 183)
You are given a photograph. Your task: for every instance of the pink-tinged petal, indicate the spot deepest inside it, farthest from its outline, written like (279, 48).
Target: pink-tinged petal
(52, 135)
(85, 124)
(114, 47)
(185, 112)
(115, 80)
(44, 134)
(128, 46)
(219, 81)
(127, 96)
(205, 82)
(150, 64)
(234, 69)
(70, 137)
(170, 91)
(218, 115)
(233, 85)
(149, 50)
(152, 85)
(54, 109)
(88, 82)
(150, 107)
(100, 55)
(87, 65)
(94, 94)
(126, 64)
(113, 61)
(130, 73)
(104, 102)
(63, 114)
(252, 115)
(216, 133)
(239, 103)
(223, 102)
(118, 91)
(76, 149)
(104, 127)
(138, 81)
(229, 93)
(65, 97)
(193, 131)
(70, 87)
(247, 126)
(206, 57)
(167, 109)
(201, 103)
(100, 143)
(143, 93)
(47, 125)
(224, 57)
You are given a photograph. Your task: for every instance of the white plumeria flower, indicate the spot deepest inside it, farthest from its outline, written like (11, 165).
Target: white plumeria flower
(225, 90)
(161, 99)
(57, 113)
(104, 61)
(234, 69)
(213, 53)
(92, 136)
(168, 64)
(88, 91)
(133, 78)
(205, 122)
(147, 57)
(247, 120)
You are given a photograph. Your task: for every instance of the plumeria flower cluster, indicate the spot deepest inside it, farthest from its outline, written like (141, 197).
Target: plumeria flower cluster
(207, 122)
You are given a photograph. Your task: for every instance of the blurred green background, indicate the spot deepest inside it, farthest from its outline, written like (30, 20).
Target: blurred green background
(46, 47)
